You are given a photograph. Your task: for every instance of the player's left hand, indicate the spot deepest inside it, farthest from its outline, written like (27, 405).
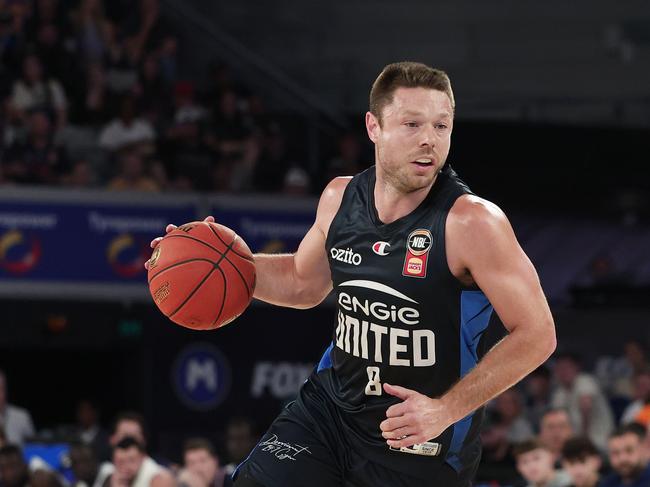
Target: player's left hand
(417, 419)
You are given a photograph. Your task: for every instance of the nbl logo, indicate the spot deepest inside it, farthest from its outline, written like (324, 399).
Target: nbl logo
(418, 245)
(419, 242)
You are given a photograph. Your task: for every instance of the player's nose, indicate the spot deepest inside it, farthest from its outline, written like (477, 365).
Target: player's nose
(428, 137)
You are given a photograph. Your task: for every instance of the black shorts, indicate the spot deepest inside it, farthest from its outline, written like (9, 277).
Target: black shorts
(305, 448)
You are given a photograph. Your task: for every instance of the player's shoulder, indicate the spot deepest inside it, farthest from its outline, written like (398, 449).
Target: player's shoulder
(332, 195)
(471, 214)
(330, 201)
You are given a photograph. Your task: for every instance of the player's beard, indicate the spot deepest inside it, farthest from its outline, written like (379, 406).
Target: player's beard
(400, 176)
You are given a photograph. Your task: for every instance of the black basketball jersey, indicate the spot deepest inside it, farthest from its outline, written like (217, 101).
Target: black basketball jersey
(402, 318)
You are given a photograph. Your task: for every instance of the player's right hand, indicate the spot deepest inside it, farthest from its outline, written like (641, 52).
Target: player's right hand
(170, 228)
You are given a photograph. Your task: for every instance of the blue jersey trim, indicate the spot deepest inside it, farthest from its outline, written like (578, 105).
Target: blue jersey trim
(475, 312)
(326, 359)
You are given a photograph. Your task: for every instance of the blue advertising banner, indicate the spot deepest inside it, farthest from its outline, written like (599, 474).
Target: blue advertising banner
(274, 226)
(78, 245)
(93, 244)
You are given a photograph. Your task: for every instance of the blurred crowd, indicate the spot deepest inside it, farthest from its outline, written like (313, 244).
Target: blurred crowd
(563, 425)
(93, 94)
(117, 457)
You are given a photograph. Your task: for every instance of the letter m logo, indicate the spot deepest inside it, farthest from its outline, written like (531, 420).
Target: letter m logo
(201, 372)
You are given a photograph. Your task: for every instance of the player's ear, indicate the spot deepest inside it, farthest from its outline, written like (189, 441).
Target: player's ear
(372, 126)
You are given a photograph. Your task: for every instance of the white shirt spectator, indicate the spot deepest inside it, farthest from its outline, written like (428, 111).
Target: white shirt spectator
(17, 424)
(39, 95)
(601, 422)
(117, 135)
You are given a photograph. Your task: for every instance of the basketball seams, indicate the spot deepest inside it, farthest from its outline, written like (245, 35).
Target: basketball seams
(223, 298)
(216, 234)
(248, 290)
(176, 264)
(196, 288)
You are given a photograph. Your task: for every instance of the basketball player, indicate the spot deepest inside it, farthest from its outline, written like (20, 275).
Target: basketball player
(417, 262)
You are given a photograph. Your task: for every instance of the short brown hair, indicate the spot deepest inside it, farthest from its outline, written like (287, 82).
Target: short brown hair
(526, 447)
(579, 448)
(406, 74)
(199, 444)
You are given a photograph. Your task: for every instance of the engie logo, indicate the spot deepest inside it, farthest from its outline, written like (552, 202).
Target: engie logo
(348, 256)
(16, 255)
(126, 256)
(380, 248)
(418, 245)
(201, 376)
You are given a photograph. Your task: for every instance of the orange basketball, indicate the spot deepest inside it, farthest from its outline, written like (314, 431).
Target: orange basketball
(202, 275)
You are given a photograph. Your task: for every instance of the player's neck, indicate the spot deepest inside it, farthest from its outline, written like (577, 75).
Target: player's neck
(392, 204)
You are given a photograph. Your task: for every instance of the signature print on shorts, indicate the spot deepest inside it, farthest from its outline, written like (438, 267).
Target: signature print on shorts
(281, 450)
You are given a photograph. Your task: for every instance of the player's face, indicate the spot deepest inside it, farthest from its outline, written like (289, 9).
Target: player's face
(536, 466)
(415, 126)
(583, 472)
(626, 454)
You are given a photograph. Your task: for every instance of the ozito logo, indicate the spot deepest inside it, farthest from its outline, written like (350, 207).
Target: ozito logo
(419, 242)
(380, 248)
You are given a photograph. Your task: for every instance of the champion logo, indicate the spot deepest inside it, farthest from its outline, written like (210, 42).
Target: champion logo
(380, 248)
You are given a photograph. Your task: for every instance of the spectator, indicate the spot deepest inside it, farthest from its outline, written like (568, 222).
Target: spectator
(36, 92)
(133, 175)
(13, 468)
(582, 461)
(85, 466)
(555, 429)
(627, 458)
(535, 464)
(348, 160)
(16, 422)
(641, 394)
(538, 394)
(271, 168)
(581, 395)
(38, 160)
(506, 427)
(92, 108)
(127, 129)
(133, 468)
(90, 31)
(81, 175)
(128, 423)
(296, 182)
(200, 459)
(90, 431)
(241, 438)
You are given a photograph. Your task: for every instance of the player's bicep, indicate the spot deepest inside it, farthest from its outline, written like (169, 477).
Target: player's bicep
(311, 264)
(502, 270)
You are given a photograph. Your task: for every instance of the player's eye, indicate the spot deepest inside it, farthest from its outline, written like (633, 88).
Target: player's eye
(412, 124)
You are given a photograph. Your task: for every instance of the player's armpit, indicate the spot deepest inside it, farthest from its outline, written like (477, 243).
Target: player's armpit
(481, 240)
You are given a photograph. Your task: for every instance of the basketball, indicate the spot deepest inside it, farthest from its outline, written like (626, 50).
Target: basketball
(202, 275)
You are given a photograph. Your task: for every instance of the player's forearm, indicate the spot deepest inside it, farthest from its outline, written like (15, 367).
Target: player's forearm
(277, 282)
(507, 363)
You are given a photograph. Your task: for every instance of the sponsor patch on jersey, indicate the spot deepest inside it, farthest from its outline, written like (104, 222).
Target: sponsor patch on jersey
(429, 449)
(418, 245)
(348, 256)
(380, 248)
